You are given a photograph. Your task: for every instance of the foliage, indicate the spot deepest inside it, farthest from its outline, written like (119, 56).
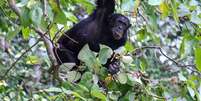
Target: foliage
(160, 62)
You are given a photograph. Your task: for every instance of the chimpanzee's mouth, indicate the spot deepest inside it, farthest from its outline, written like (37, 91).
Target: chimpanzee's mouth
(117, 35)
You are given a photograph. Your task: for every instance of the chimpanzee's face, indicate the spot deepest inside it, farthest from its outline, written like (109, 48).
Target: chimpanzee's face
(119, 25)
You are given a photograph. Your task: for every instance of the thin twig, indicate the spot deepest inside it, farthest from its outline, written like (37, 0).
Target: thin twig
(178, 64)
(57, 33)
(41, 33)
(70, 38)
(158, 97)
(26, 51)
(142, 17)
(155, 96)
(48, 45)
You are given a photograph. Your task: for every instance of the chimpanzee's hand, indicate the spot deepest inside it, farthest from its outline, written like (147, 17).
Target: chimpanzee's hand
(114, 67)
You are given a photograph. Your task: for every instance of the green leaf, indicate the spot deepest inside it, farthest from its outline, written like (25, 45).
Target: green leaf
(154, 2)
(53, 89)
(143, 64)
(164, 8)
(12, 34)
(33, 60)
(31, 3)
(153, 22)
(129, 96)
(198, 34)
(79, 96)
(83, 87)
(67, 66)
(129, 47)
(73, 76)
(22, 3)
(198, 58)
(50, 13)
(6, 98)
(54, 5)
(60, 17)
(195, 18)
(191, 92)
(36, 15)
(130, 5)
(122, 78)
(174, 10)
(114, 95)
(181, 77)
(87, 56)
(182, 48)
(25, 19)
(87, 79)
(26, 32)
(89, 6)
(133, 78)
(71, 16)
(141, 34)
(127, 59)
(104, 54)
(3, 83)
(3, 24)
(53, 31)
(187, 43)
(97, 93)
(63, 90)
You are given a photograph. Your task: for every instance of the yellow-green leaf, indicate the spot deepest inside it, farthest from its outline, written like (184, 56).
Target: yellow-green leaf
(25, 32)
(174, 10)
(97, 93)
(198, 58)
(33, 60)
(164, 9)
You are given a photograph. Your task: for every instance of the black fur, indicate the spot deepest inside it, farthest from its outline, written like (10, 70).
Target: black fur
(94, 30)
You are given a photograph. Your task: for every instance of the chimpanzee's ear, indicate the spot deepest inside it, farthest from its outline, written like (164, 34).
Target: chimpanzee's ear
(129, 26)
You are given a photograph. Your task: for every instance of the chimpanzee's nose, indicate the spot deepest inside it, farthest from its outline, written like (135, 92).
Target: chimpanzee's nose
(120, 27)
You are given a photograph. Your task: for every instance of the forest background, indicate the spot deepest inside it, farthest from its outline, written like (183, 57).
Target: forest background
(161, 60)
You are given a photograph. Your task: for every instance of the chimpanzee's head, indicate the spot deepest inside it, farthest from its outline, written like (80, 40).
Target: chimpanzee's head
(119, 25)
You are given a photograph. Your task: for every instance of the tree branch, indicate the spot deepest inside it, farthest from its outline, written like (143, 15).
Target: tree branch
(48, 45)
(12, 4)
(45, 9)
(190, 67)
(45, 39)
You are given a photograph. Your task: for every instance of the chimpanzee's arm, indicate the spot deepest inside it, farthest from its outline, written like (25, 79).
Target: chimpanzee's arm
(104, 9)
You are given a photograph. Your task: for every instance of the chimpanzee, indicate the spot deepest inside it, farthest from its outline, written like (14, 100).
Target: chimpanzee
(103, 26)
